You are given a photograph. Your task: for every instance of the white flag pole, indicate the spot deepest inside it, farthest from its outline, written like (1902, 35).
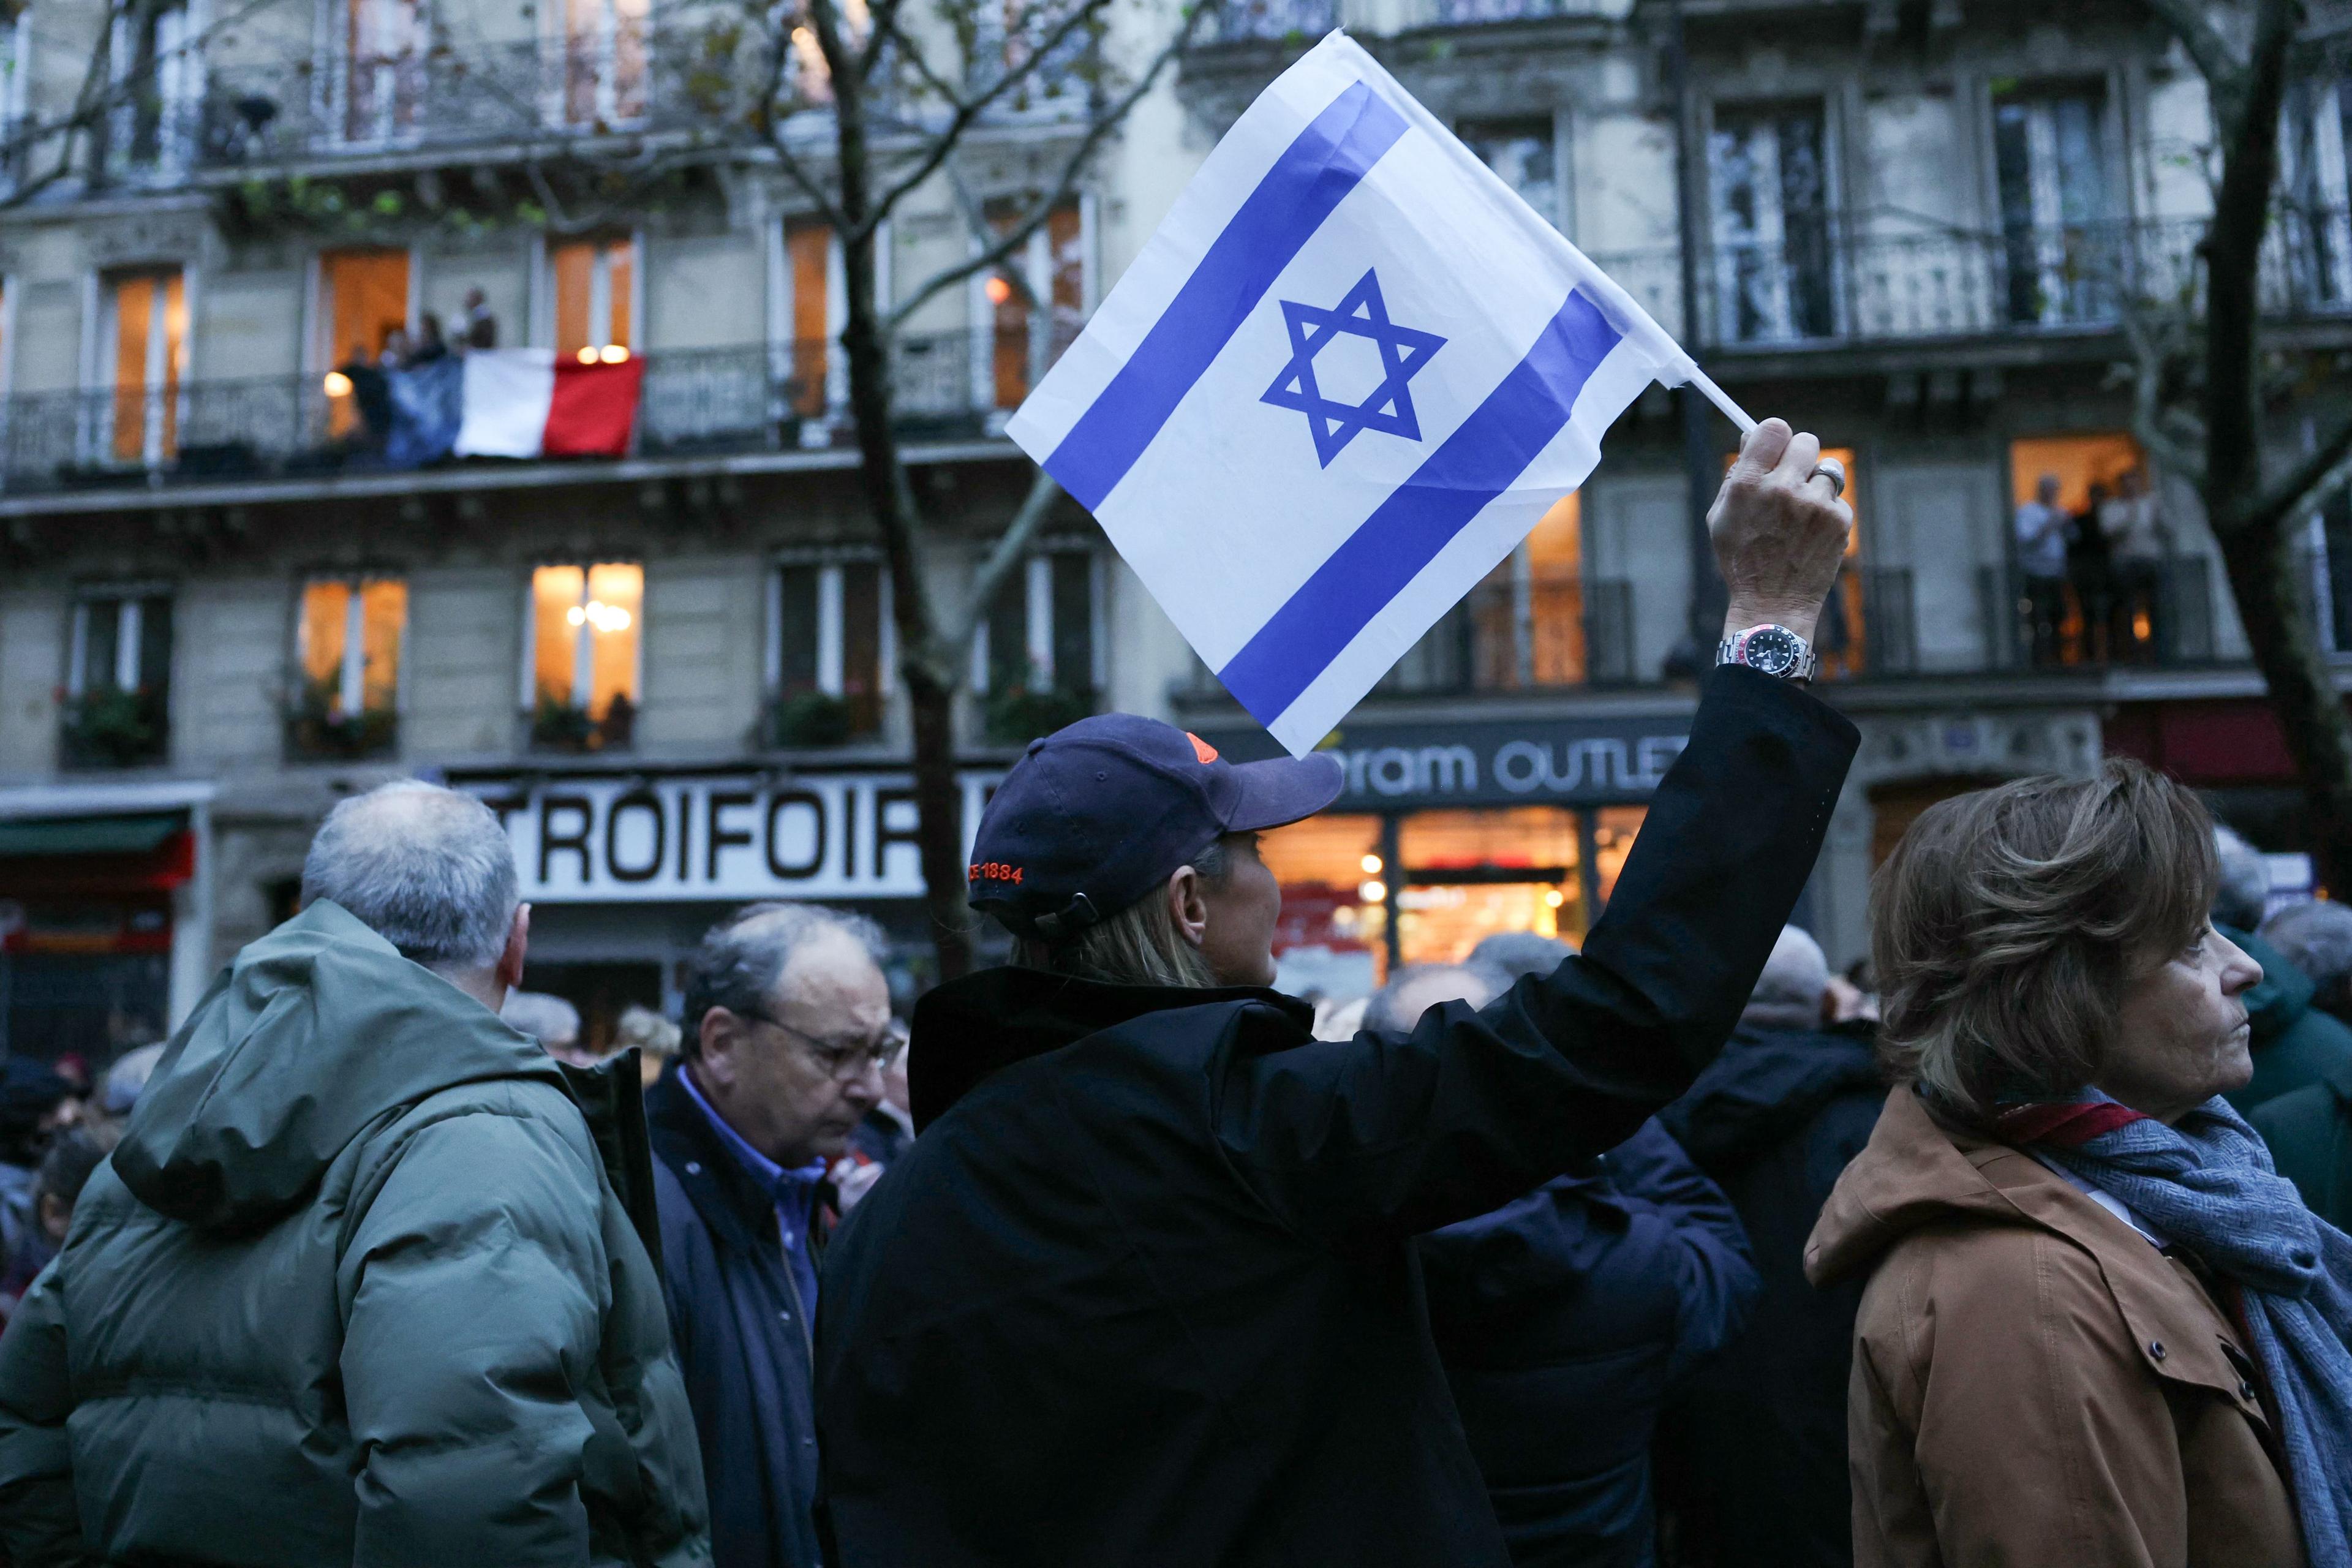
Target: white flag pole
(1721, 399)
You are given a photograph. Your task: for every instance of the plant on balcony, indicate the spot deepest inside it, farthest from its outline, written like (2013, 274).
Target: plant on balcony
(319, 726)
(1017, 715)
(114, 728)
(809, 719)
(557, 726)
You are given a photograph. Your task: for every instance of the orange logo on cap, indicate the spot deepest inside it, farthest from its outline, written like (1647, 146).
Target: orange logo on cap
(1201, 749)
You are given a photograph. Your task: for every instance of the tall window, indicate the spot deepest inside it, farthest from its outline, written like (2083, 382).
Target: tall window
(1038, 661)
(2060, 256)
(1523, 626)
(1769, 176)
(1525, 152)
(363, 302)
(118, 679)
(595, 291)
(15, 82)
(2314, 217)
(381, 75)
(810, 261)
(586, 622)
(155, 57)
(604, 49)
(145, 349)
(1034, 303)
(347, 650)
(829, 671)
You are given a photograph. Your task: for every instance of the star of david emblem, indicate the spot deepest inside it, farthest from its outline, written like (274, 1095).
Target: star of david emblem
(1388, 407)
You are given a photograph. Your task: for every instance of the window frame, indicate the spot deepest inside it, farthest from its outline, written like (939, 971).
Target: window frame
(586, 565)
(1037, 606)
(831, 567)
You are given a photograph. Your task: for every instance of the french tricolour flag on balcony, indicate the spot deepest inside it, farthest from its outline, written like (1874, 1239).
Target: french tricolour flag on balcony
(1344, 379)
(531, 402)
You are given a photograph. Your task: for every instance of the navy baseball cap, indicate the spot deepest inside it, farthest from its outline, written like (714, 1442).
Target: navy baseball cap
(1096, 815)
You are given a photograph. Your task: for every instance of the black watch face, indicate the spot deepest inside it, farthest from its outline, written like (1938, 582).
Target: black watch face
(1775, 650)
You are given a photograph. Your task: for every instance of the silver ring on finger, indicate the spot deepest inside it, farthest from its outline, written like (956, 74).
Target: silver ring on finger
(1830, 469)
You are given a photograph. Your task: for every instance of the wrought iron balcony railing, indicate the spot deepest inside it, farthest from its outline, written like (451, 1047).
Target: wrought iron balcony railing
(693, 401)
(1823, 282)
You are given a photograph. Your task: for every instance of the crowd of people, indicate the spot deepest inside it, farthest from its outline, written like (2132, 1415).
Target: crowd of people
(371, 375)
(1679, 1251)
(2095, 579)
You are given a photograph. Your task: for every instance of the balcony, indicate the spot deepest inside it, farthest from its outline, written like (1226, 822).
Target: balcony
(1304, 21)
(625, 79)
(695, 401)
(1823, 284)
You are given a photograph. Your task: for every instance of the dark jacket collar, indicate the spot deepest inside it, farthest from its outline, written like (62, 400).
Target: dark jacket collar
(730, 1198)
(968, 1028)
(1765, 1086)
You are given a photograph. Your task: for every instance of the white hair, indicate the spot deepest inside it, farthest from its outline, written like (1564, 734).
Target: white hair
(1413, 990)
(1788, 995)
(549, 1019)
(427, 869)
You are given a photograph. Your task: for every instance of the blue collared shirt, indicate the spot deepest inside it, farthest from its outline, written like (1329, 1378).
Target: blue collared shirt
(793, 1193)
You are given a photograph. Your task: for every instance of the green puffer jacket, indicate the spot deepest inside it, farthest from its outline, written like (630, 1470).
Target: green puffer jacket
(359, 1286)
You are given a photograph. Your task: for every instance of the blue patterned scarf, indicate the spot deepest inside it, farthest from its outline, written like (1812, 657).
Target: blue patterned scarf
(2209, 1186)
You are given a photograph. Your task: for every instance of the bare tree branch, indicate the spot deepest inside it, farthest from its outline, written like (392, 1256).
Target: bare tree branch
(1011, 547)
(945, 140)
(2306, 485)
(2152, 422)
(1063, 188)
(2216, 60)
(772, 130)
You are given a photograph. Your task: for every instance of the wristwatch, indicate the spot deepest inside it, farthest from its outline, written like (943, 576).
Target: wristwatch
(1772, 649)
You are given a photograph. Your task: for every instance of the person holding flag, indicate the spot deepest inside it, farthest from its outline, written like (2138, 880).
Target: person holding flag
(1142, 1290)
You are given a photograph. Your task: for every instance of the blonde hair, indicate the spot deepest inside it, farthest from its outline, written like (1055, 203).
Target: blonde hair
(2008, 922)
(1140, 945)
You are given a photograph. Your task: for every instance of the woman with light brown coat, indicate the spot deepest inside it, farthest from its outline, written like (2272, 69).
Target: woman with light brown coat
(2099, 1330)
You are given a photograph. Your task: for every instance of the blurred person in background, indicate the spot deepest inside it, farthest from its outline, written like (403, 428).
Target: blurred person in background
(2309, 1129)
(2296, 1043)
(36, 1104)
(1752, 1457)
(363, 1282)
(889, 1126)
(551, 1020)
(57, 1187)
(1563, 1318)
(787, 1028)
(119, 1093)
(654, 1038)
(2098, 1327)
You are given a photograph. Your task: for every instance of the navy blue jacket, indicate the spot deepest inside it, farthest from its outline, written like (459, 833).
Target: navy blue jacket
(1144, 1291)
(1753, 1456)
(742, 1338)
(1563, 1318)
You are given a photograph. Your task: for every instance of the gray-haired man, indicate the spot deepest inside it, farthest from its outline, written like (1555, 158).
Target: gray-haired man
(787, 1030)
(359, 1284)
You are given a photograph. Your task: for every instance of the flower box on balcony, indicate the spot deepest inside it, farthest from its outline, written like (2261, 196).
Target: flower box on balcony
(1018, 714)
(114, 728)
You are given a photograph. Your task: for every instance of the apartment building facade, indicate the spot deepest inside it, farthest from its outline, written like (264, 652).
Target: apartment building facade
(225, 602)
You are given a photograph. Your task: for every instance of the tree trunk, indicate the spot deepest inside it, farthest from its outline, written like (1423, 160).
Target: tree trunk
(926, 665)
(2265, 579)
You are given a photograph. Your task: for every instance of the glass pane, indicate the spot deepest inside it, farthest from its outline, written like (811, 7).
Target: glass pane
(620, 274)
(1512, 869)
(134, 318)
(326, 616)
(156, 645)
(861, 646)
(383, 620)
(555, 593)
(796, 630)
(1074, 623)
(616, 597)
(102, 618)
(1555, 551)
(1330, 937)
(1008, 636)
(1065, 248)
(1522, 152)
(1614, 829)
(810, 245)
(573, 266)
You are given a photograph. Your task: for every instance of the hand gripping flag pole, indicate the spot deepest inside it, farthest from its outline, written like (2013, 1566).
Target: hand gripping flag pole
(1342, 380)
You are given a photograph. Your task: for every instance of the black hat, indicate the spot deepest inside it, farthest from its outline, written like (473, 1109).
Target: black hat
(1096, 815)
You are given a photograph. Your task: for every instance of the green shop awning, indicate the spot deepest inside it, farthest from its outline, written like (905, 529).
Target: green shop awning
(90, 834)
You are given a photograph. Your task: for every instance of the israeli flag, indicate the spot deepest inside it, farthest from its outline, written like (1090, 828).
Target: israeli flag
(1344, 379)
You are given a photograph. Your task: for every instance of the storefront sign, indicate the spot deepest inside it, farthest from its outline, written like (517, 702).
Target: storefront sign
(1561, 761)
(659, 839)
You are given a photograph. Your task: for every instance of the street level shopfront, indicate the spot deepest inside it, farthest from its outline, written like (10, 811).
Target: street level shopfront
(1445, 834)
(627, 869)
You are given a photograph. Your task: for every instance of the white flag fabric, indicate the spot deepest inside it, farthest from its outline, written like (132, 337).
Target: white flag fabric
(1341, 382)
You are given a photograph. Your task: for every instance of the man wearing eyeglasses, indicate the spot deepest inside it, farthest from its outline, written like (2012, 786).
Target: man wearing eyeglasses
(787, 1028)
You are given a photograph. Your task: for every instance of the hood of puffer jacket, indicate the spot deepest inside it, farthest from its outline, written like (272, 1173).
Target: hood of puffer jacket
(2282, 996)
(1766, 1084)
(1913, 1173)
(312, 1034)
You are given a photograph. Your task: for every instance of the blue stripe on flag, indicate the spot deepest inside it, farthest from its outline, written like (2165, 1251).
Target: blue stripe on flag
(1478, 462)
(1313, 175)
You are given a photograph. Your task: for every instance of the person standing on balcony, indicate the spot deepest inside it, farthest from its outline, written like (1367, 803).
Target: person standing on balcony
(2041, 527)
(2139, 544)
(481, 329)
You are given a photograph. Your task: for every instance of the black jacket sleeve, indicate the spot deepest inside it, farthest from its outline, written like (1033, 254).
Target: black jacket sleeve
(1395, 1136)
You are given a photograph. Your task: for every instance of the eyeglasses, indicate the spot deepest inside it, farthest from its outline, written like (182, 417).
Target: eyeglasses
(847, 1062)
